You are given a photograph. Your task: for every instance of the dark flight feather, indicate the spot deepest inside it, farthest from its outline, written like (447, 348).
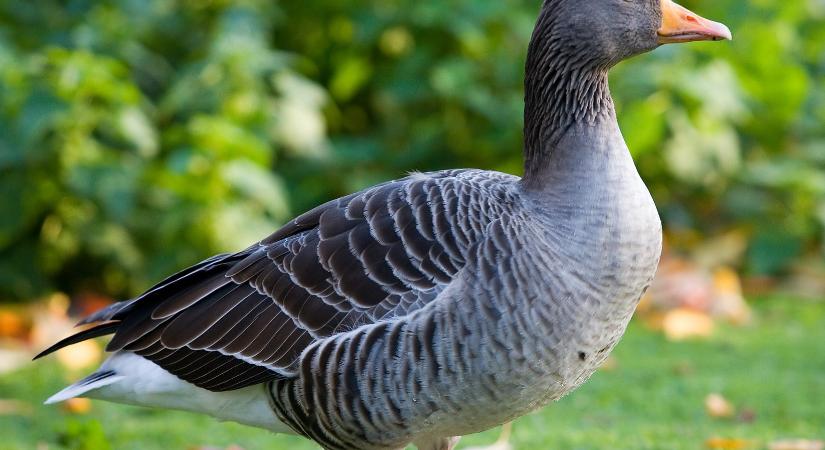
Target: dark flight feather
(244, 318)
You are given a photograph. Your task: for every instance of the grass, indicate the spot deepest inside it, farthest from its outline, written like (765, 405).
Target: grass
(652, 399)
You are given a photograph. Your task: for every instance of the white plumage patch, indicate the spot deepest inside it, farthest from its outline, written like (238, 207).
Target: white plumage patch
(131, 379)
(94, 381)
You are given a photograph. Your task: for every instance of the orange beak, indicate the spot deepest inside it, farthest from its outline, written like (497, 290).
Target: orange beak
(681, 25)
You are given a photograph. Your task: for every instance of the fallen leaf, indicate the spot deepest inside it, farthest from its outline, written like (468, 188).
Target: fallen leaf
(645, 303)
(728, 301)
(77, 405)
(14, 407)
(797, 444)
(12, 324)
(747, 415)
(683, 368)
(653, 320)
(610, 364)
(688, 284)
(718, 406)
(684, 323)
(718, 443)
(680, 284)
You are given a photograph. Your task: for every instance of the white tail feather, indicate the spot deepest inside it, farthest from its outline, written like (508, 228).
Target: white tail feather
(128, 378)
(93, 381)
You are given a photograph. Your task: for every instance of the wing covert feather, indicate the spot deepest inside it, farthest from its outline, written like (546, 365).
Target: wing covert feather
(377, 255)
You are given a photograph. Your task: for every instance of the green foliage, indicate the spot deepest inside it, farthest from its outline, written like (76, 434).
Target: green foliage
(84, 435)
(139, 136)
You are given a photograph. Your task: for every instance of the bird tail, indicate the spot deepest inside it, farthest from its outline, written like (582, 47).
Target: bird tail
(94, 381)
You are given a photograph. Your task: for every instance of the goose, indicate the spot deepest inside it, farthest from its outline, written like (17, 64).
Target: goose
(432, 306)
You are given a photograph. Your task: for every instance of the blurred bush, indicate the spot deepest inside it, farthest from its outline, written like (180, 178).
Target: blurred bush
(137, 136)
(140, 136)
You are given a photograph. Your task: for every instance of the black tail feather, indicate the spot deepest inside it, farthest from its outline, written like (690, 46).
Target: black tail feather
(106, 314)
(97, 331)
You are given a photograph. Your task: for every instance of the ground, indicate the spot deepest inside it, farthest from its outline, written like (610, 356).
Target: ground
(772, 371)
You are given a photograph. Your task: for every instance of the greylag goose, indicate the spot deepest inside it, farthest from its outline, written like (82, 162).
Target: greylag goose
(429, 307)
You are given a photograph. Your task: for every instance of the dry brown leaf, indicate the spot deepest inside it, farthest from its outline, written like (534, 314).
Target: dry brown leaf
(727, 281)
(610, 364)
(718, 406)
(645, 303)
(653, 319)
(14, 408)
(712, 290)
(680, 283)
(746, 415)
(684, 323)
(77, 405)
(728, 301)
(797, 444)
(718, 443)
(12, 324)
(683, 368)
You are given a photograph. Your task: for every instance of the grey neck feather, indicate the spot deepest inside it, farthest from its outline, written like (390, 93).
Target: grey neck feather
(565, 84)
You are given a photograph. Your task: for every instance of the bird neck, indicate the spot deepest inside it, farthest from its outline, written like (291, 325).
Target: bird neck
(565, 85)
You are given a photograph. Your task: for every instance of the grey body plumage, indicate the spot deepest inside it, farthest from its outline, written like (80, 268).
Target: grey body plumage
(429, 307)
(544, 293)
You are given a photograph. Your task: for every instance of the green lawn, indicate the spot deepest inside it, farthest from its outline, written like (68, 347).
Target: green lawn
(652, 399)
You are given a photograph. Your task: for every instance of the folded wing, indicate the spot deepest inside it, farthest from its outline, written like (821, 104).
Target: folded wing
(241, 319)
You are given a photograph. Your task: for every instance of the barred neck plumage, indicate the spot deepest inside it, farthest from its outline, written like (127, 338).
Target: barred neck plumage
(564, 85)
